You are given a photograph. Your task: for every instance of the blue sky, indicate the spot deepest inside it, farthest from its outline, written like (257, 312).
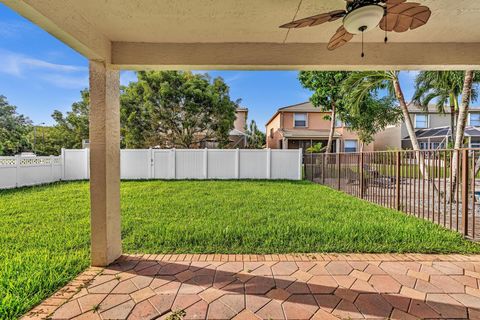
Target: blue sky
(39, 74)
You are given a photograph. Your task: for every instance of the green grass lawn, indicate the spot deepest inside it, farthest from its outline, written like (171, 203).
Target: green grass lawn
(44, 231)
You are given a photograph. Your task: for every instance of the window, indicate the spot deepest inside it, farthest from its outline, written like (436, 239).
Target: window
(424, 145)
(271, 133)
(351, 145)
(474, 119)
(475, 143)
(300, 120)
(421, 121)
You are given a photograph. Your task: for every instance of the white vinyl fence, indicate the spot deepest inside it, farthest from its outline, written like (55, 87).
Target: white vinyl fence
(156, 164)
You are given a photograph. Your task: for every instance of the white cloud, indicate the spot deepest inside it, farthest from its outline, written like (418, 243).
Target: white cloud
(60, 75)
(17, 65)
(234, 77)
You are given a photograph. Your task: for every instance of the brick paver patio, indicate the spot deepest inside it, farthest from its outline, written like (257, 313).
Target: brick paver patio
(353, 286)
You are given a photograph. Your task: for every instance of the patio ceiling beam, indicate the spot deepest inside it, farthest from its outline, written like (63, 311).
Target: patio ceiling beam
(205, 56)
(66, 25)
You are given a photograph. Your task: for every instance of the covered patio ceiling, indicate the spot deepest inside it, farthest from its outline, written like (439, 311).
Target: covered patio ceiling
(234, 34)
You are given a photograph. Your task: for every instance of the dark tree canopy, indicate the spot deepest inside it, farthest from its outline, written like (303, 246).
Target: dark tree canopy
(73, 127)
(14, 129)
(373, 116)
(326, 87)
(176, 109)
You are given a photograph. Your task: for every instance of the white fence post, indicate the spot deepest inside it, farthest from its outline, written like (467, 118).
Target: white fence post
(17, 169)
(269, 163)
(150, 164)
(205, 163)
(173, 164)
(237, 163)
(87, 163)
(62, 157)
(300, 161)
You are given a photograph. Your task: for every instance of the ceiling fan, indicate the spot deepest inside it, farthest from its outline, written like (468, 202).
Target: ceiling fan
(361, 16)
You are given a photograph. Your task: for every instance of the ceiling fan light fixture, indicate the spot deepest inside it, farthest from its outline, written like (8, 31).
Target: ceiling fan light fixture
(363, 19)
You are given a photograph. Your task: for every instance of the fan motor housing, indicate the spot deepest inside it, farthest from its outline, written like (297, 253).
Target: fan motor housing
(363, 19)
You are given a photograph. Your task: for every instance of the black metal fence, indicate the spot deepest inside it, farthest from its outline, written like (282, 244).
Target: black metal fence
(437, 185)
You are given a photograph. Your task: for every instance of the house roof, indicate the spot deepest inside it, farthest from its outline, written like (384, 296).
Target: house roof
(307, 133)
(299, 107)
(442, 132)
(432, 108)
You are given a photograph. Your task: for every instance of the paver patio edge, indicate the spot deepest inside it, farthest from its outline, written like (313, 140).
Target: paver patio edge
(63, 295)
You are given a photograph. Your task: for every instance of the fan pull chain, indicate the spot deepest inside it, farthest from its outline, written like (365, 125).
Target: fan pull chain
(386, 24)
(363, 53)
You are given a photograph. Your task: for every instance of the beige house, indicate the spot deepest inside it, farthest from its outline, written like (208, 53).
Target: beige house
(301, 125)
(432, 128)
(237, 136)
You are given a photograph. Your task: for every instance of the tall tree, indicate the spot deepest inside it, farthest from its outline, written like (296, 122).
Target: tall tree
(14, 129)
(373, 115)
(327, 95)
(443, 86)
(177, 109)
(360, 85)
(461, 122)
(49, 140)
(255, 138)
(74, 126)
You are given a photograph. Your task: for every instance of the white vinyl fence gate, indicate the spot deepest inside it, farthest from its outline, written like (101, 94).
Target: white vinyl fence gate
(73, 164)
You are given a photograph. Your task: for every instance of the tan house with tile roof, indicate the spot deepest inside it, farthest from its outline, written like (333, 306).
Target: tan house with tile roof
(301, 125)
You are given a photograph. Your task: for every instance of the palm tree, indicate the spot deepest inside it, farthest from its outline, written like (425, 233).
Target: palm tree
(461, 122)
(443, 86)
(255, 137)
(360, 85)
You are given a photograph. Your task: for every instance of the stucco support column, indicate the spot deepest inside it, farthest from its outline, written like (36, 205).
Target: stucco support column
(104, 164)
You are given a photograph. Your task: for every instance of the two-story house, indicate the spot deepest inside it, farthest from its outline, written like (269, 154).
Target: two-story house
(301, 125)
(237, 136)
(432, 128)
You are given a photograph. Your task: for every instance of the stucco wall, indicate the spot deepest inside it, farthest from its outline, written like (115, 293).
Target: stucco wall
(388, 139)
(274, 142)
(315, 120)
(435, 120)
(241, 120)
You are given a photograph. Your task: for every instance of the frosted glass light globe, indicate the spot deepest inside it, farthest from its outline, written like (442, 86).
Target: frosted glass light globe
(365, 18)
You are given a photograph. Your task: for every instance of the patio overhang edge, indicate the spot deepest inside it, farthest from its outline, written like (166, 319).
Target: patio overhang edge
(294, 56)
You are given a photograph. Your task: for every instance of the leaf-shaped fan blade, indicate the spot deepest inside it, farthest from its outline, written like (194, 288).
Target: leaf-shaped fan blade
(315, 20)
(340, 38)
(394, 2)
(405, 16)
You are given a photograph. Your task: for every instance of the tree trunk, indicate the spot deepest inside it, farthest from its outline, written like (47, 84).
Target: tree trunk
(461, 122)
(332, 129)
(452, 118)
(409, 125)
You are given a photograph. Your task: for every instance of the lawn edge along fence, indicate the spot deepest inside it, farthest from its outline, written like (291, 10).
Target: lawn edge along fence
(168, 164)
